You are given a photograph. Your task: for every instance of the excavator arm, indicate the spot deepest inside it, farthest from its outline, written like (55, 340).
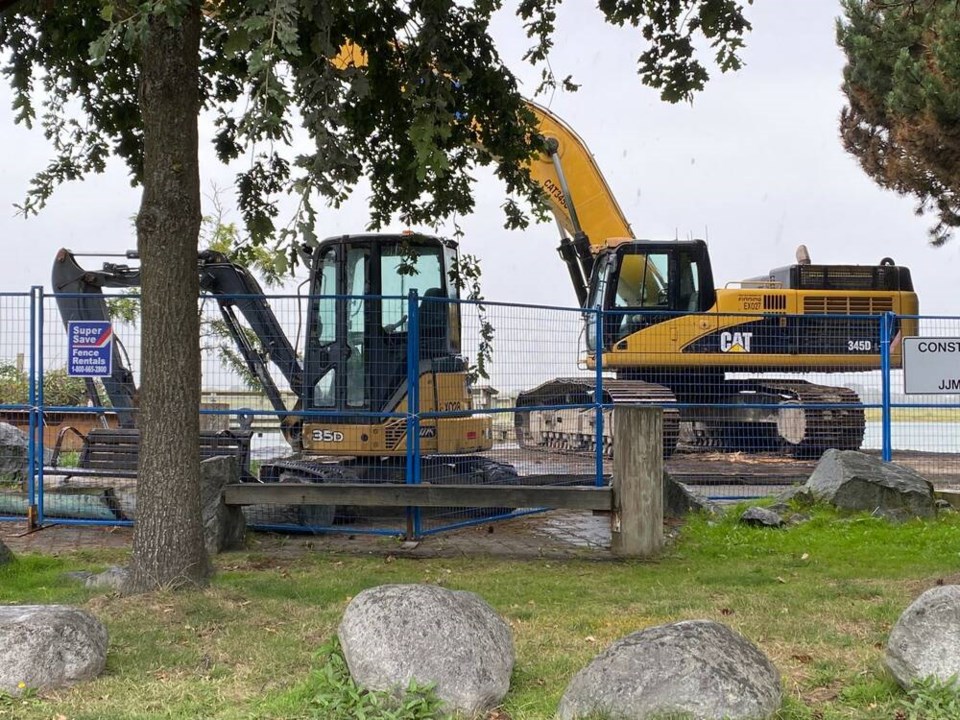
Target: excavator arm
(584, 206)
(79, 296)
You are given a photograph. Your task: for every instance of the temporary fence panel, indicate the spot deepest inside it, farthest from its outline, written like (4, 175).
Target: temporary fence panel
(752, 400)
(924, 429)
(18, 400)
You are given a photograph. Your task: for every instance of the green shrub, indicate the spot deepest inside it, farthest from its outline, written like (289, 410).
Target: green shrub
(58, 387)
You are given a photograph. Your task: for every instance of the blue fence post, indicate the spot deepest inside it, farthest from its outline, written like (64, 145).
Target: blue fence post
(886, 326)
(414, 529)
(40, 404)
(32, 477)
(598, 397)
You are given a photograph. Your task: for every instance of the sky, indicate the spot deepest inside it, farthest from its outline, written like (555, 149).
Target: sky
(754, 166)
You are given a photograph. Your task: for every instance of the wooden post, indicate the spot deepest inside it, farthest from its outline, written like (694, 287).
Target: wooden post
(636, 523)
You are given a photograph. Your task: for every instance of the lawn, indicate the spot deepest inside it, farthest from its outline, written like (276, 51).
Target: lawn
(818, 598)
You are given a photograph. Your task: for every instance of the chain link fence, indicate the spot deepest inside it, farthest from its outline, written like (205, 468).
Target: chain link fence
(496, 393)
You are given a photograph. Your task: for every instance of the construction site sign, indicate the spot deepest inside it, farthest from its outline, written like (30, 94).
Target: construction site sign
(931, 366)
(89, 348)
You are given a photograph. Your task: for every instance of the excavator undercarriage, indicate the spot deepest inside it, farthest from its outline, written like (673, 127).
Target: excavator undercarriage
(791, 417)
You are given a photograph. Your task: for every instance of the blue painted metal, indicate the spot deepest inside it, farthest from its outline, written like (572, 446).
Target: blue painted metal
(414, 519)
(886, 323)
(102, 523)
(338, 530)
(32, 402)
(413, 415)
(598, 399)
(39, 457)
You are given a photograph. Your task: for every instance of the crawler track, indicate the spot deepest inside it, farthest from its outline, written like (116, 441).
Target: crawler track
(793, 417)
(557, 424)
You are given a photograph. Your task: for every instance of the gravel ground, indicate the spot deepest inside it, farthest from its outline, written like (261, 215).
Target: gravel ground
(554, 534)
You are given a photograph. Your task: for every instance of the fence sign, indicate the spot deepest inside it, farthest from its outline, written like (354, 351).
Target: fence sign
(89, 348)
(931, 366)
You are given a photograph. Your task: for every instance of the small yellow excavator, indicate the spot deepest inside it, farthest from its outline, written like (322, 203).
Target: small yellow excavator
(354, 369)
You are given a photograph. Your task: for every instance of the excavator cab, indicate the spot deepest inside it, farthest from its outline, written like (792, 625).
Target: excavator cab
(643, 283)
(359, 330)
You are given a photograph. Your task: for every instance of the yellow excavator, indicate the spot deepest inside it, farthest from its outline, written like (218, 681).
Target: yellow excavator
(354, 371)
(671, 335)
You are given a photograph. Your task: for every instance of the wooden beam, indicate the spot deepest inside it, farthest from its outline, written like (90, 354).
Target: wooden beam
(425, 495)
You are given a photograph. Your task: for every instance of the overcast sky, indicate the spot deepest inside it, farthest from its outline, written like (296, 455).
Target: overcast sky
(755, 165)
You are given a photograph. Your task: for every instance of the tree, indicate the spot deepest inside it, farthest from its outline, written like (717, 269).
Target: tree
(433, 100)
(902, 82)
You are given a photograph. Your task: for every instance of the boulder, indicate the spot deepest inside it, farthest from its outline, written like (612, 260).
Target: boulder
(112, 578)
(760, 516)
(925, 640)
(851, 480)
(678, 499)
(693, 668)
(224, 526)
(6, 554)
(49, 646)
(393, 634)
(13, 452)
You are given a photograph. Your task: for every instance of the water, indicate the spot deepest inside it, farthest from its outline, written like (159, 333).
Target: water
(938, 437)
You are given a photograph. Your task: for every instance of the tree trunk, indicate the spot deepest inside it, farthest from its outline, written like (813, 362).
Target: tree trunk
(168, 549)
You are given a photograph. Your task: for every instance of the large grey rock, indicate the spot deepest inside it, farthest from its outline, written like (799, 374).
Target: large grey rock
(694, 668)
(760, 516)
(13, 452)
(851, 480)
(393, 634)
(113, 578)
(925, 640)
(224, 526)
(678, 499)
(49, 646)
(6, 554)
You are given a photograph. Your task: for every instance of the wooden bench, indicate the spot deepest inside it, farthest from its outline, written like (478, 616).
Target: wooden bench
(114, 452)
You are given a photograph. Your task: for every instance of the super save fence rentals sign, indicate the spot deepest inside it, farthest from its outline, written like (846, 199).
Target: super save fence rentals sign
(89, 348)
(931, 366)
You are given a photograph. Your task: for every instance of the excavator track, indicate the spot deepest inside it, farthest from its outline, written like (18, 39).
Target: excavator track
(573, 429)
(793, 417)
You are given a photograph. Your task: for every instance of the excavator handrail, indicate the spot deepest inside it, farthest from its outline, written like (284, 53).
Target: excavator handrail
(753, 285)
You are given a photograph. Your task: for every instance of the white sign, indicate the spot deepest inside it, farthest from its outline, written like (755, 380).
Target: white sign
(931, 366)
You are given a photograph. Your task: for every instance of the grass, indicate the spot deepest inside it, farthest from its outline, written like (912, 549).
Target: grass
(908, 414)
(818, 598)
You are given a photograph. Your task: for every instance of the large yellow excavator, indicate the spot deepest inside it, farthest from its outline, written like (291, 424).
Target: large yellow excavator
(672, 335)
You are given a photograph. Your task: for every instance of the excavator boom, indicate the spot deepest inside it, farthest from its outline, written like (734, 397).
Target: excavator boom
(79, 296)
